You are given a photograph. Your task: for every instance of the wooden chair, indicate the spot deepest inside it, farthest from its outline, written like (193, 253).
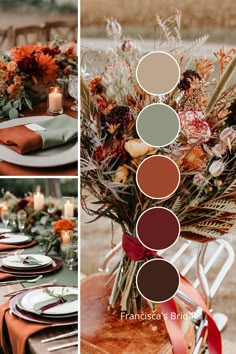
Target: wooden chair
(32, 34)
(6, 38)
(66, 30)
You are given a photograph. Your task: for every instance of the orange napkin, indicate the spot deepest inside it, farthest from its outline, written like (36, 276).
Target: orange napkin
(4, 276)
(9, 169)
(15, 331)
(20, 139)
(6, 247)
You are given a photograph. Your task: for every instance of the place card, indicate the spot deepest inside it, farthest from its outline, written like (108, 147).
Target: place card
(34, 127)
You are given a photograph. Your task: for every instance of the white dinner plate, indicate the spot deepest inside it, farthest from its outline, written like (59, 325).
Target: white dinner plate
(5, 231)
(16, 262)
(31, 298)
(12, 240)
(57, 156)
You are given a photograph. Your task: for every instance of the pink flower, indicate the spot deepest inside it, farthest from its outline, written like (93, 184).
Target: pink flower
(216, 168)
(113, 29)
(194, 126)
(227, 135)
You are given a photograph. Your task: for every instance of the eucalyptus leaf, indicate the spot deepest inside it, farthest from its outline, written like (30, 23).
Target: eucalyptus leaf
(16, 104)
(7, 107)
(44, 220)
(13, 113)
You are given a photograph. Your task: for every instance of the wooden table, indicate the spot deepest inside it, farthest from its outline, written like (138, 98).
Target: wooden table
(64, 277)
(9, 169)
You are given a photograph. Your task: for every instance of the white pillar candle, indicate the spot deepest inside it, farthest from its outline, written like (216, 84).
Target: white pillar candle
(66, 235)
(68, 209)
(38, 201)
(55, 101)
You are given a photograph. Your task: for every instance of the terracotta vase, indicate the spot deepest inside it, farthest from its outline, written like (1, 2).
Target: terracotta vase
(104, 331)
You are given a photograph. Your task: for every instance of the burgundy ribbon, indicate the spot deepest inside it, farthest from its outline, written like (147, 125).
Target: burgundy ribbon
(136, 251)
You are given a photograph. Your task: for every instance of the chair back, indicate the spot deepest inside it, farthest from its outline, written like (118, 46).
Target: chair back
(66, 30)
(6, 38)
(31, 34)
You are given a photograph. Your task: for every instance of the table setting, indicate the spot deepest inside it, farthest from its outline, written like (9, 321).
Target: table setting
(38, 274)
(38, 129)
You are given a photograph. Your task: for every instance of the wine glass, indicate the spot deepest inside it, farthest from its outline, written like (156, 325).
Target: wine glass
(21, 217)
(71, 255)
(73, 90)
(5, 216)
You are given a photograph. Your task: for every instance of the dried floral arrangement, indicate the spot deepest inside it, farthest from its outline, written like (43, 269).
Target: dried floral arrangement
(205, 150)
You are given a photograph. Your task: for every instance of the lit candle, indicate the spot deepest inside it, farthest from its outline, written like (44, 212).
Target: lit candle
(66, 235)
(55, 100)
(68, 209)
(38, 200)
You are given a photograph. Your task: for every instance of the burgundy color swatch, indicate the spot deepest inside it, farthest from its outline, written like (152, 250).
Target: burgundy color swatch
(158, 228)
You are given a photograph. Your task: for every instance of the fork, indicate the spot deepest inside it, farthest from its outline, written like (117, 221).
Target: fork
(52, 282)
(5, 254)
(11, 282)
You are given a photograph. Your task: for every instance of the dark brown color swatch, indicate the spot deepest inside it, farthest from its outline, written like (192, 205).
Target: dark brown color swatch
(158, 176)
(158, 228)
(157, 280)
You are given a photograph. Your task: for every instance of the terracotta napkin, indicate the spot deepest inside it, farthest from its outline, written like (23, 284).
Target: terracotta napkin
(54, 132)
(4, 276)
(6, 247)
(9, 169)
(14, 331)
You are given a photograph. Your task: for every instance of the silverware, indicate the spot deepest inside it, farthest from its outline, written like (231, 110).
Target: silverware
(52, 282)
(65, 335)
(5, 254)
(11, 282)
(62, 346)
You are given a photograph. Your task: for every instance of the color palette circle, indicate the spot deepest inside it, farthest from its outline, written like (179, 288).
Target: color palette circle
(157, 228)
(158, 125)
(157, 280)
(158, 73)
(158, 177)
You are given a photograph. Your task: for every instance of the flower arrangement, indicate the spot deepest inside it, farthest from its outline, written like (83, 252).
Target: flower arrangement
(30, 65)
(63, 224)
(205, 150)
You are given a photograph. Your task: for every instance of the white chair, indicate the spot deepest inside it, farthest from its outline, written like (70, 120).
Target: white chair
(199, 270)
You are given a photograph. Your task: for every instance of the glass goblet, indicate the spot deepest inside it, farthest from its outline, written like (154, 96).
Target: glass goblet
(73, 90)
(71, 255)
(5, 216)
(21, 218)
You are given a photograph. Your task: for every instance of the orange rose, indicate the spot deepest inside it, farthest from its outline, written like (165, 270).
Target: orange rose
(12, 90)
(11, 66)
(63, 224)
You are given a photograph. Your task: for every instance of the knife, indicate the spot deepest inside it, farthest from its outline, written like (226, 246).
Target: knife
(47, 304)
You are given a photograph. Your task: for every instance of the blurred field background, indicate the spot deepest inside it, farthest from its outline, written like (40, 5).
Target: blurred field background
(34, 12)
(215, 17)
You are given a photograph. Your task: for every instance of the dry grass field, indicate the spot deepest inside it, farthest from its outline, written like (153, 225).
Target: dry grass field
(216, 17)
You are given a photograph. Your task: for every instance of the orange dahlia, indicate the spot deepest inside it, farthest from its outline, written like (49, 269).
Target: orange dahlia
(47, 67)
(23, 51)
(63, 224)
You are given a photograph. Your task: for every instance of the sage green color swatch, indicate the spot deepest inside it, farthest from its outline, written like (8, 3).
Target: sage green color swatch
(158, 125)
